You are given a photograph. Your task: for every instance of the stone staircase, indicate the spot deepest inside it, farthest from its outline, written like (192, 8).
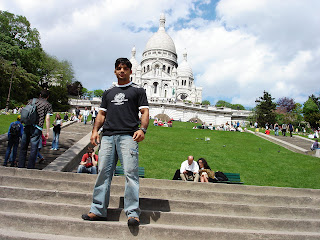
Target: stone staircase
(43, 204)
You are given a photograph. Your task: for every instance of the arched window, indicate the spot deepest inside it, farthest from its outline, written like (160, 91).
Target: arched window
(168, 70)
(144, 69)
(155, 85)
(165, 93)
(148, 68)
(164, 67)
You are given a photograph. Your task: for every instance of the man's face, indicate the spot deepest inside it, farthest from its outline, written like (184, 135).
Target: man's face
(122, 72)
(190, 160)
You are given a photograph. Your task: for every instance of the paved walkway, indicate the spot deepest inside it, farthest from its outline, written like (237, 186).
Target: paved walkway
(71, 133)
(296, 143)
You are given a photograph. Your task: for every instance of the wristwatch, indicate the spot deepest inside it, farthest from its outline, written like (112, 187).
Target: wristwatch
(144, 130)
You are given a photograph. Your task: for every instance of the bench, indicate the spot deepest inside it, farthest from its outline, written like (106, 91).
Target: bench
(233, 178)
(119, 171)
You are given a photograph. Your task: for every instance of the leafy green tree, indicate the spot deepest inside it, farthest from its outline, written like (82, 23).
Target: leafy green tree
(19, 42)
(60, 97)
(98, 93)
(75, 88)
(24, 85)
(311, 112)
(237, 107)
(265, 109)
(222, 103)
(89, 94)
(206, 102)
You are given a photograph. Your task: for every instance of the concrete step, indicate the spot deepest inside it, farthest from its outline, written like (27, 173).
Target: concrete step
(118, 230)
(174, 194)
(51, 203)
(163, 205)
(6, 234)
(169, 218)
(164, 184)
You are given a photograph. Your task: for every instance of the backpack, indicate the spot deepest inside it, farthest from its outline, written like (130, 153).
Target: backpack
(220, 176)
(15, 130)
(29, 114)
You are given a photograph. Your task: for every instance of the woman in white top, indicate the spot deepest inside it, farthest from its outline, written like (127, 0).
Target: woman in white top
(56, 132)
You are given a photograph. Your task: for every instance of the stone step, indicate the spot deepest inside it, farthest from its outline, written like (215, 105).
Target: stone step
(163, 205)
(6, 234)
(175, 194)
(163, 184)
(166, 218)
(67, 226)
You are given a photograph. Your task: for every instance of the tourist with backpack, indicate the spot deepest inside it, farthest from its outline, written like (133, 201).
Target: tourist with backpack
(56, 132)
(33, 116)
(14, 134)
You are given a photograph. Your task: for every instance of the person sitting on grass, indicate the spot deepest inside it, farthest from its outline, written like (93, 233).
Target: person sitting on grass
(205, 171)
(189, 170)
(89, 162)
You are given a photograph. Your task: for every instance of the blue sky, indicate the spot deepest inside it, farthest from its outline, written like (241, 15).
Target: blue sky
(237, 49)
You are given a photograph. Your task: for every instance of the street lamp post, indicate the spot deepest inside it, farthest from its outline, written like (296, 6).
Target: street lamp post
(14, 65)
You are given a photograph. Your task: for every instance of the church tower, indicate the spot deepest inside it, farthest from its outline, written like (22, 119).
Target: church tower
(159, 73)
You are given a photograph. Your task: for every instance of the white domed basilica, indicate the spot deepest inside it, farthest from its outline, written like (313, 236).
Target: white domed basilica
(170, 86)
(159, 72)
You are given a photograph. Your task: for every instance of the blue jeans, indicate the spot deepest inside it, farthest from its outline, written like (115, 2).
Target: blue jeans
(12, 144)
(55, 140)
(84, 169)
(112, 148)
(31, 135)
(85, 117)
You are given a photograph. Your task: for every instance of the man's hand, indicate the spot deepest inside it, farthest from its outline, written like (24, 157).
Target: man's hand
(184, 172)
(95, 138)
(138, 135)
(47, 135)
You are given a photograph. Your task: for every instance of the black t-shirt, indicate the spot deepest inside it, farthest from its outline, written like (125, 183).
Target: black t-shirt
(122, 104)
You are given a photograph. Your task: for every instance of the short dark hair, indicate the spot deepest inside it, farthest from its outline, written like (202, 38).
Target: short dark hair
(124, 61)
(44, 93)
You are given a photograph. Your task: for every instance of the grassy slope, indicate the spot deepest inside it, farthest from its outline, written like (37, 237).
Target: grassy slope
(258, 161)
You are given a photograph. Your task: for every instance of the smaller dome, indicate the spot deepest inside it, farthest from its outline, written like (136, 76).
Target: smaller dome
(184, 69)
(133, 60)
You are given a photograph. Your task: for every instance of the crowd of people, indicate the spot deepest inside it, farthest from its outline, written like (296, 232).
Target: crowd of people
(160, 123)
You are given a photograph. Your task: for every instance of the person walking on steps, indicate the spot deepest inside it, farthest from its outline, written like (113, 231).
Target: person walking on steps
(119, 116)
(14, 134)
(32, 132)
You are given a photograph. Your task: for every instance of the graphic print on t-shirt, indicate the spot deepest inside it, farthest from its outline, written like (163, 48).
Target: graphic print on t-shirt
(119, 99)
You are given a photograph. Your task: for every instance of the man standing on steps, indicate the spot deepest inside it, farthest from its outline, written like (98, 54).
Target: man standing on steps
(32, 133)
(119, 115)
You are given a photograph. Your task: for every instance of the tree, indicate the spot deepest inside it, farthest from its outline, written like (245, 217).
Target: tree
(222, 103)
(206, 102)
(75, 88)
(311, 112)
(285, 105)
(59, 94)
(98, 93)
(265, 109)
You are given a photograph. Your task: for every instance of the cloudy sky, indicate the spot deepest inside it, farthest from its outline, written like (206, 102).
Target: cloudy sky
(236, 48)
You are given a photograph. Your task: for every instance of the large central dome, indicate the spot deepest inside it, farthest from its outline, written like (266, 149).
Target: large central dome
(161, 40)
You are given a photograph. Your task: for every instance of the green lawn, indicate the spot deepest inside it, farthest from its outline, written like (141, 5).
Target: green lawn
(258, 161)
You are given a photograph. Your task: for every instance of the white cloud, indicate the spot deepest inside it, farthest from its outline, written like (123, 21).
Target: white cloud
(252, 46)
